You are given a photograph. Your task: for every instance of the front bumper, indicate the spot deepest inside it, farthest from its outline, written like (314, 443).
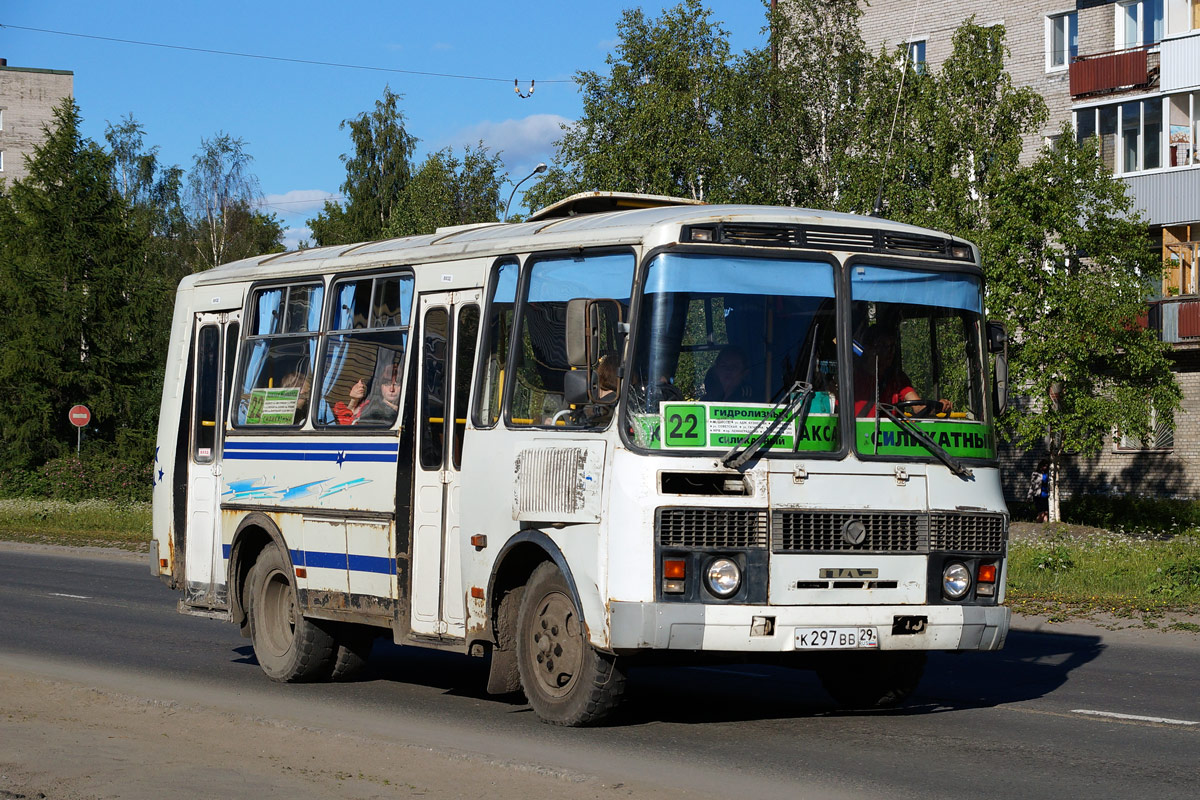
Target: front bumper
(732, 628)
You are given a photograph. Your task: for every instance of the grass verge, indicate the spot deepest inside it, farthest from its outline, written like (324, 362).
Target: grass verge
(90, 523)
(1063, 572)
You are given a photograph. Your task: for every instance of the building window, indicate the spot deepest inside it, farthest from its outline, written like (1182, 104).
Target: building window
(1062, 40)
(1139, 23)
(916, 56)
(1131, 134)
(1, 161)
(1161, 436)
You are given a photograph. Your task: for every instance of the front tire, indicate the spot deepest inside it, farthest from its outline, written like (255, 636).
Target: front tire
(872, 680)
(289, 647)
(566, 680)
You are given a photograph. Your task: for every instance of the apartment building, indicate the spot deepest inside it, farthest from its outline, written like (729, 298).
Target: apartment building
(1127, 71)
(27, 99)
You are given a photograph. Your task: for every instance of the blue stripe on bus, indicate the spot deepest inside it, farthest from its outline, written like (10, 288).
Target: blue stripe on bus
(263, 455)
(385, 447)
(320, 560)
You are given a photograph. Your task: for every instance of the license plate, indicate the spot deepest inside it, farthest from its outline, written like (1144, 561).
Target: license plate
(836, 638)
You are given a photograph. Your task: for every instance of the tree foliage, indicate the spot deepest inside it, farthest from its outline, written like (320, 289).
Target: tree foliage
(79, 301)
(376, 174)
(652, 124)
(447, 190)
(224, 196)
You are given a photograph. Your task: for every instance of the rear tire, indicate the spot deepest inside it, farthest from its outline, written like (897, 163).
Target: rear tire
(872, 680)
(354, 643)
(566, 680)
(288, 646)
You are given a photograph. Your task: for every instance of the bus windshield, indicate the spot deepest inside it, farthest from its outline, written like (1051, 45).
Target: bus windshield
(917, 340)
(721, 340)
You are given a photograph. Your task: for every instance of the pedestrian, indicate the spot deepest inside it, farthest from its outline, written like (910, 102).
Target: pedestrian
(1039, 490)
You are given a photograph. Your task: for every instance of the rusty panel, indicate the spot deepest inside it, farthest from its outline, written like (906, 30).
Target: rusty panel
(1102, 73)
(1189, 319)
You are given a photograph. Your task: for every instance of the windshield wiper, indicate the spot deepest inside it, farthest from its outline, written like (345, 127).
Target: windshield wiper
(912, 430)
(793, 402)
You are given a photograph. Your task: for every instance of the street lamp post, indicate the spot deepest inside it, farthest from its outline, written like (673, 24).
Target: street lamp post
(540, 168)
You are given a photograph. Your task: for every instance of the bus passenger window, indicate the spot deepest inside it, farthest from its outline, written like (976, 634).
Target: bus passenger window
(541, 354)
(362, 367)
(277, 357)
(495, 345)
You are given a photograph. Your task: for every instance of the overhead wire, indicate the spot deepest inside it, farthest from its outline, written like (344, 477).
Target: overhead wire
(260, 56)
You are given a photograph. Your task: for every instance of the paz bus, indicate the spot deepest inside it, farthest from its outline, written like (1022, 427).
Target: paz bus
(626, 427)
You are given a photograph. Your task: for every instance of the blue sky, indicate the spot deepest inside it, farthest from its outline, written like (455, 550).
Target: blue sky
(288, 113)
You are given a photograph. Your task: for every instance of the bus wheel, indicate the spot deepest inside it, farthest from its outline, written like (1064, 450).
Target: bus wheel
(354, 643)
(872, 680)
(288, 646)
(566, 680)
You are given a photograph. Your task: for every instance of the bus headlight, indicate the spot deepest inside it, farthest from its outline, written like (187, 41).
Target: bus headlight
(723, 577)
(956, 581)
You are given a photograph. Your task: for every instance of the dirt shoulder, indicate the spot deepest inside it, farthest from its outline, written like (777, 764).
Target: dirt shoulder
(63, 739)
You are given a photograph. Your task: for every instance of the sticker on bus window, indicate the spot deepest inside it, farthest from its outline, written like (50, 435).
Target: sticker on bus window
(724, 425)
(272, 406)
(959, 439)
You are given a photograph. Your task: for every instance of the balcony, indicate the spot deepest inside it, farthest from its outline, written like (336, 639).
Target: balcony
(1177, 320)
(1108, 72)
(1180, 62)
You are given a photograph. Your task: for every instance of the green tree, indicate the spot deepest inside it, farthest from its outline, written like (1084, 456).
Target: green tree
(447, 191)
(376, 175)
(652, 124)
(223, 198)
(1068, 268)
(78, 302)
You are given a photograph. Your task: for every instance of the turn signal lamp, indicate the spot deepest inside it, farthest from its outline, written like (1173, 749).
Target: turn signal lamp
(987, 573)
(674, 572)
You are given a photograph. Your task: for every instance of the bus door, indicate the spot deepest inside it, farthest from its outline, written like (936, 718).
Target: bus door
(213, 350)
(449, 330)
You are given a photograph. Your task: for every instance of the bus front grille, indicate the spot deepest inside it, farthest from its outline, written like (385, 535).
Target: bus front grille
(829, 531)
(967, 533)
(712, 528)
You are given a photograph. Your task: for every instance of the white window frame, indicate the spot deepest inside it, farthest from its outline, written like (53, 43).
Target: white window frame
(920, 67)
(1125, 444)
(1119, 11)
(1071, 28)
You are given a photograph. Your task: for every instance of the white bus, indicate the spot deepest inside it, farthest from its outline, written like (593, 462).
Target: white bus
(626, 426)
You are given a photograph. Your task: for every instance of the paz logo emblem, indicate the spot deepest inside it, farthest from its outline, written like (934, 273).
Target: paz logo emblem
(854, 532)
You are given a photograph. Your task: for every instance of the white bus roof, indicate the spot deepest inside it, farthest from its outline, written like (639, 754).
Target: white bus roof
(623, 227)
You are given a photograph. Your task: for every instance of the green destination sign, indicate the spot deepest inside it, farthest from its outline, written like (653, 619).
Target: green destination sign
(960, 439)
(721, 426)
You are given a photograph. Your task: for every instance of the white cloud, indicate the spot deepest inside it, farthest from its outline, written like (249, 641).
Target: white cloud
(521, 142)
(293, 236)
(297, 202)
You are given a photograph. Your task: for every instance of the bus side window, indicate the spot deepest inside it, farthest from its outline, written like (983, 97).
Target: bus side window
(363, 363)
(497, 330)
(278, 355)
(464, 366)
(540, 359)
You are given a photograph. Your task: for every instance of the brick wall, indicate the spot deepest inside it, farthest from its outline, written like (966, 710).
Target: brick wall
(1169, 473)
(27, 98)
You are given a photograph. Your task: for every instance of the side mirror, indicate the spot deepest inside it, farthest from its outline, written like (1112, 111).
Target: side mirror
(576, 386)
(998, 346)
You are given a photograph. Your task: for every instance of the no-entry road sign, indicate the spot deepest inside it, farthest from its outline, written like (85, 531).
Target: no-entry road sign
(79, 416)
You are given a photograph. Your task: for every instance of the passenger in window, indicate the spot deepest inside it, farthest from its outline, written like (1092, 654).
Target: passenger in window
(728, 379)
(895, 387)
(383, 405)
(347, 413)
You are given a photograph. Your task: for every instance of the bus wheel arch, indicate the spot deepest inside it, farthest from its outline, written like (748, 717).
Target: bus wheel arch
(522, 554)
(254, 533)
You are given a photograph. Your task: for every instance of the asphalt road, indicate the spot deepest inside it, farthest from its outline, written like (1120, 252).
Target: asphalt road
(1032, 721)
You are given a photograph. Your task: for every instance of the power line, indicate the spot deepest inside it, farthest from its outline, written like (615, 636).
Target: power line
(269, 58)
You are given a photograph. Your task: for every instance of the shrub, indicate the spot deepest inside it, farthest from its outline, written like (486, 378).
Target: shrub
(1131, 513)
(97, 477)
